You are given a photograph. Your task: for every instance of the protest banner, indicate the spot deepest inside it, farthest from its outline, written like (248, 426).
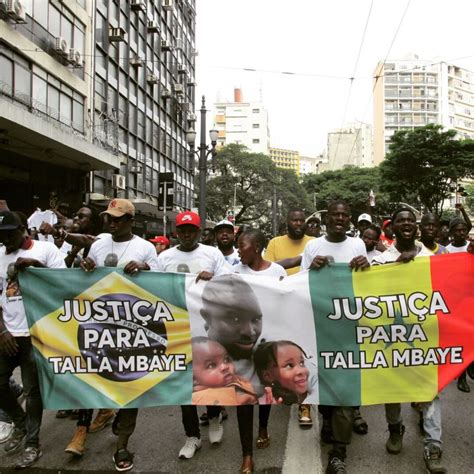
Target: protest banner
(394, 333)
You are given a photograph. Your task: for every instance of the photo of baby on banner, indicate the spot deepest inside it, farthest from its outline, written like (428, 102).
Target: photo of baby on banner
(243, 354)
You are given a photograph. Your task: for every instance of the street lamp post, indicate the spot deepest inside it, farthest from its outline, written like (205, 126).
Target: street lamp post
(203, 153)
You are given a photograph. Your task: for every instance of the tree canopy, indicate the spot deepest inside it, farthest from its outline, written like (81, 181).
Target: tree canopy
(252, 179)
(352, 184)
(425, 163)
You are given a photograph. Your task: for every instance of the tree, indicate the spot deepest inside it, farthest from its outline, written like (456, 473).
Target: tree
(251, 179)
(351, 184)
(425, 162)
(470, 197)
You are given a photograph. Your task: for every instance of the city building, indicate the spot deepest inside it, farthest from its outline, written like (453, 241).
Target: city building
(412, 93)
(244, 123)
(350, 146)
(288, 159)
(313, 164)
(96, 98)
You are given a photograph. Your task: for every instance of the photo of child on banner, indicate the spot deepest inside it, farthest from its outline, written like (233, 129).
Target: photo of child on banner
(252, 352)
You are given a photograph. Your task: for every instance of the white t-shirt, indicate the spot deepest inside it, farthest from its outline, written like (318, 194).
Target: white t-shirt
(203, 258)
(38, 217)
(136, 249)
(391, 254)
(372, 254)
(452, 249)
(233, 258)
(274, 270)
(11, 300)
(341, 252)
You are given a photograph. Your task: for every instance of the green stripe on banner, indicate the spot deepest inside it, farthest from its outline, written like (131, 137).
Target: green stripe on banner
(333, 336)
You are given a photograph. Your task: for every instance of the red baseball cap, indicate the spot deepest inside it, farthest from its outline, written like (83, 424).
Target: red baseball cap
(160, 239)
(188, 217)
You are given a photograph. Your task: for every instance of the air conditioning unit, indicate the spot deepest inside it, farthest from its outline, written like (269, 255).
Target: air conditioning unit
(15, 10)
(116, 34)
(191, 83)
(75, 57)
(152, 79)
(152, 26)
(182, 69)
(192, 117)
(185, 106)
(136, 61)
(165, 93)
(61, 46)
(180, 44)
(136, 169)
(167, 5)
(118, 181)
(194, 52)
(179, 89)
(138, 5)
(166, 45)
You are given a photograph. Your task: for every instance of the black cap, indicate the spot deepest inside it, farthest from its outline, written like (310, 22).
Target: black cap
(9, 221)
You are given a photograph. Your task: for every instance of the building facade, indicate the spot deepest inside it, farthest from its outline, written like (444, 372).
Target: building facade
(288, 159)
(244, 123)
(96, 98)
(350, 146)
(412, 93)
(313, 164)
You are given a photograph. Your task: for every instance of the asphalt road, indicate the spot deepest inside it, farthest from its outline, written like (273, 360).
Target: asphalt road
(159, 435)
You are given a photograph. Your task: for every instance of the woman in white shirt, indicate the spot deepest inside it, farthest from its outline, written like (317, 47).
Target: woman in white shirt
(251, 244)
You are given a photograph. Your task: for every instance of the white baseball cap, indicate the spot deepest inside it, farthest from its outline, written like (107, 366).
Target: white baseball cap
(365, 217)
(223, 223)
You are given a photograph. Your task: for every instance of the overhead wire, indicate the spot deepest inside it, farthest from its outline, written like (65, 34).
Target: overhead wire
(377, 76)
(351, 79)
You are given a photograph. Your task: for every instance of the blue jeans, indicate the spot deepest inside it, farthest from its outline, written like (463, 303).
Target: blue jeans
(431, 419)
(29, 422)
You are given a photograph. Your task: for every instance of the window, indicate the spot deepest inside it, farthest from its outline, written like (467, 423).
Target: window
(255, 140)
(255, 111)
(22, 81)
(255, 125)
(6, 72)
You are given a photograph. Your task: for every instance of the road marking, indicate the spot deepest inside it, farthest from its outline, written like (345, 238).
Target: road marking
(303, 449)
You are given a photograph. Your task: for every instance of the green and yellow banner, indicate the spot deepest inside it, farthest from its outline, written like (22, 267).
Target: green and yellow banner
(394, 333)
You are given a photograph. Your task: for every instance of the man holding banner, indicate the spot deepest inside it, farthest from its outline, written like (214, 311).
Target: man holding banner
(406, 249)
(336, 246)
(120, 249)
(15, 341)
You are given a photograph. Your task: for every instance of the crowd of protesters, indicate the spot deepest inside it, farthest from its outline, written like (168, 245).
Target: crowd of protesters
(87, 240)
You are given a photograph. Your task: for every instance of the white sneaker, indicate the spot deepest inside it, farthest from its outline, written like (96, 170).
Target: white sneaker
(6, 430)
(189, 449)
(216, 430)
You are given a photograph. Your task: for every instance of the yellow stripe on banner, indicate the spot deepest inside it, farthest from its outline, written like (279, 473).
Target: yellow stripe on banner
(62, 339)
(395, 384)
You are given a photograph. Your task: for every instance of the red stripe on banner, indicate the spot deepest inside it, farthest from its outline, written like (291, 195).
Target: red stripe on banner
(453, 276)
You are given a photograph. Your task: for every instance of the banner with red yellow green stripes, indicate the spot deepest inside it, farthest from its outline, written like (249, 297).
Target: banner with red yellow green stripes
(394, 333)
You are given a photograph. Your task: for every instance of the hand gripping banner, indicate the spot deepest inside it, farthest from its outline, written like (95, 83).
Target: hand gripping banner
(394, 333)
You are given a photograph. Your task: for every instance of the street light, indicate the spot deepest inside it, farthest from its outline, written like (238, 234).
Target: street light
(203, 152)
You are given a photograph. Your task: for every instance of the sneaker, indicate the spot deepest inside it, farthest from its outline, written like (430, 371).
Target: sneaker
(432, 458)
(14, 442)
(336, 466)
(101, 420)
(77, 444)
(190, 447)
(29, 457)
(63, 413)
(203, 419)
(216, 430)
(6, 429)
(304, 416)
(395, 441)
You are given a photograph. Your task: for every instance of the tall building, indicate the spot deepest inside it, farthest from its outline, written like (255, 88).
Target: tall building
(313, 164)
(412, 93)
(288, 159)
(244, 123)
(350, 146)
(95, 98)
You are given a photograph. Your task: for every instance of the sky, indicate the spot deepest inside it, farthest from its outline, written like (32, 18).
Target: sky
(322, 43)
